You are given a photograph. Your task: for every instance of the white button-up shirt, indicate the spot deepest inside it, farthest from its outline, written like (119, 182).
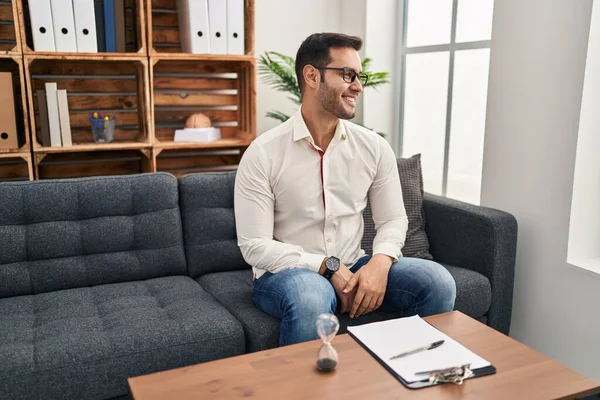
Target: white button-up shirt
(295, 205)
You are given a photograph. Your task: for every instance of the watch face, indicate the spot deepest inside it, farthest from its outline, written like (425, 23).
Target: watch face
(332, 264)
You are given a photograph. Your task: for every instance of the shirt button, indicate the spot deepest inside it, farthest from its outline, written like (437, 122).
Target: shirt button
(328, 240)
(329, 216)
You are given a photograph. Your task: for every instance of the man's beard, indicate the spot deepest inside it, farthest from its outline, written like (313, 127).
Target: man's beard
(331, 102)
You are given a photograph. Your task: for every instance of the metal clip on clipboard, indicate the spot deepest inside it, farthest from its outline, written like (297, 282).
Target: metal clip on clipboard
(454, 375)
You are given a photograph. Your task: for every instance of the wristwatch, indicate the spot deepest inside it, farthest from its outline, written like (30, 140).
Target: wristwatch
(332, 264)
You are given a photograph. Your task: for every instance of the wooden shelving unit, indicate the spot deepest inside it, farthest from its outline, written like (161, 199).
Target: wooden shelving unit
(151, 89)
(221, 86)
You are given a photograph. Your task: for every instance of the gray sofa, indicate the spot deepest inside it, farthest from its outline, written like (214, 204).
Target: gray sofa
(111, 277)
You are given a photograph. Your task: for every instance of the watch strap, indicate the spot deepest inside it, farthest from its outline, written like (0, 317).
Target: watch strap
(328, 273)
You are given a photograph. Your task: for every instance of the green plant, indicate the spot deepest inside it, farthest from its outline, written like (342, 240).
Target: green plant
(278, 71)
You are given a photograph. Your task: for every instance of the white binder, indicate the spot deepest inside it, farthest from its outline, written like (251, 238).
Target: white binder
(40, 16)
(63, 116)
(235, 26)
(53, 116)
(193, 26)
(64, 25)
(85, 26)
(217, 19)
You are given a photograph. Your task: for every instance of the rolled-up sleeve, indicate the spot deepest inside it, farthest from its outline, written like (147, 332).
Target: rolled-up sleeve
(387, 204)
(254, 216)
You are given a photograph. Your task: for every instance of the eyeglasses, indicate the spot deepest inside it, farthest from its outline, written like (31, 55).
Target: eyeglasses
(349, 74)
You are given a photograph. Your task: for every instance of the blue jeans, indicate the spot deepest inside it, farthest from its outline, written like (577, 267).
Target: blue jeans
(298, 296)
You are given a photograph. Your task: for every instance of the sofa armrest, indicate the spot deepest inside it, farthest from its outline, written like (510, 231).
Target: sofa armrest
(480, 239)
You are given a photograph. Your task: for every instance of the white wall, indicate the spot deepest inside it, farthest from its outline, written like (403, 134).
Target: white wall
(538, 56)
(282, 25)
(584, 234)
(381, 44)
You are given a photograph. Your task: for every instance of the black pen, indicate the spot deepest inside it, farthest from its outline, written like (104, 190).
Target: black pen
(424, 348)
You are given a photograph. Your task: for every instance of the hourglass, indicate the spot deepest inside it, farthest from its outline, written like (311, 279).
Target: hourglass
(327, 328)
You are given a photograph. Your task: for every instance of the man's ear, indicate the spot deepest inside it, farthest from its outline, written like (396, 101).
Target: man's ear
(311, 75)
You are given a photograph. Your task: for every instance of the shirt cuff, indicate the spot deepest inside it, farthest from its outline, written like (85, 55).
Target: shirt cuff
(388, 249)
(311, 261)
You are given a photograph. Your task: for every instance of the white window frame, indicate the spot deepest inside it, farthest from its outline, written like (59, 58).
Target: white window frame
(403, 51)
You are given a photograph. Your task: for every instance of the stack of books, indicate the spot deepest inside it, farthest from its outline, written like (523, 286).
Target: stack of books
(55, 126)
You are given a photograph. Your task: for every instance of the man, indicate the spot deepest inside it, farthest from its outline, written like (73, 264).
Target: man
(299, 195)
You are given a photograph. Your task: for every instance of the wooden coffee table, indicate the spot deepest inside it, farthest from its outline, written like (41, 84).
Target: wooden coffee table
(289, 373)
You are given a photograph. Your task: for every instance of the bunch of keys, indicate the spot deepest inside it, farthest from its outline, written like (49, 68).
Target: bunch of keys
(454, 375)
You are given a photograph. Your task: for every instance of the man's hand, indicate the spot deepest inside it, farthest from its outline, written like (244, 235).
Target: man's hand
(339, 280)
(371, 281)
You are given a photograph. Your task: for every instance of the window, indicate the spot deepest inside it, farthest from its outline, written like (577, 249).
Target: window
(445, 61)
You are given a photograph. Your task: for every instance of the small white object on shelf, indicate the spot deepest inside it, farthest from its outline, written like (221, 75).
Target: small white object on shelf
(197, 134)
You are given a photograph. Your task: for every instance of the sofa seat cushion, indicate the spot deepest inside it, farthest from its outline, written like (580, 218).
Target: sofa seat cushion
(85, 342)
(473, 292)
(234, 290)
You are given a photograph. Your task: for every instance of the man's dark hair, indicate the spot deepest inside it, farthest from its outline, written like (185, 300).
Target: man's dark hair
(315, 51)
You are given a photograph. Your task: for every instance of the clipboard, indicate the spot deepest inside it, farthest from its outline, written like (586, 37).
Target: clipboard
(433, 379)
(383, 339)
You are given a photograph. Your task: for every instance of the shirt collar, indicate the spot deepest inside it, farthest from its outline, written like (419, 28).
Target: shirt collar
(301, 130)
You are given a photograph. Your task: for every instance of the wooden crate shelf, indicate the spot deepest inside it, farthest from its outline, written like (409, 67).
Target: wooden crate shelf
(113, 86)
(10, 38)
(135, 31)
(94, 147)
(248, 58)
(82, 164)
(14, 64)
(16, 167)
(163, 28)
(225, 143)
(185, 161)
(222, 90)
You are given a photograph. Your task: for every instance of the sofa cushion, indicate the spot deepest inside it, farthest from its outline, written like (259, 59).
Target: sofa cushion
(209, 223)
(234, 290)
(411, 181)
(85, 342)
(67, 233)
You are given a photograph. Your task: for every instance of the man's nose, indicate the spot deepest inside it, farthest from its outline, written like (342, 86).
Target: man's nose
(357, 85)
